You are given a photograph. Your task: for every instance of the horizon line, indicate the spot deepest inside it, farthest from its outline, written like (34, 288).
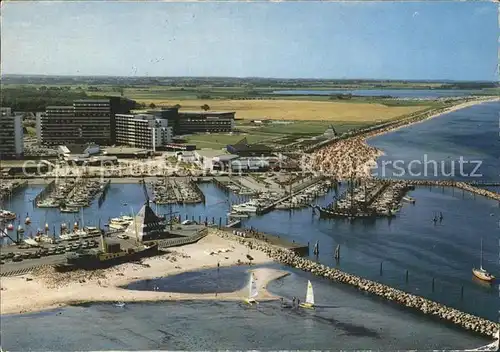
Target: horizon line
(247, 77)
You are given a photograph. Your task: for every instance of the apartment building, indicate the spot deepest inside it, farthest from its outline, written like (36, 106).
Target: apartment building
(142, 131)
(11, 135)
(86, 121)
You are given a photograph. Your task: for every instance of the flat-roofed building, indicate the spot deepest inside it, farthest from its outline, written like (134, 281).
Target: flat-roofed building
(142, 130)
(11, 134)
(188, 122)
(86, 121)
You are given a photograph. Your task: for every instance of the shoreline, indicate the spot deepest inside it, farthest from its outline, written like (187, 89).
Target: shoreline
(354, 156)
(451, 109)
(45, 290)
(20, 295)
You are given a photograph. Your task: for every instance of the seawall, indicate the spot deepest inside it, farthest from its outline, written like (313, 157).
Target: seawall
(464, 320)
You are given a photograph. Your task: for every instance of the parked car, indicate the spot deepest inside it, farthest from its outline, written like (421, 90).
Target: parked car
(17, 258)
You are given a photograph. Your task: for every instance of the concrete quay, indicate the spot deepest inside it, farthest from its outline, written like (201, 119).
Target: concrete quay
(467, 321)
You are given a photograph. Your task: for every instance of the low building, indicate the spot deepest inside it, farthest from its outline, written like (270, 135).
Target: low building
(11, 135)
(174, 147)
(188, 122)
(244, 149)
(186, 157)
(142, 130)
(213, 159)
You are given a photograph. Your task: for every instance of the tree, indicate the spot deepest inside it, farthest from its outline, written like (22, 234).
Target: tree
(177, 106)
(152, 106)
(205, 107)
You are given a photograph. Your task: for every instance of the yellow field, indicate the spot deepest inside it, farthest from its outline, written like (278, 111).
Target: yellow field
(295, 109)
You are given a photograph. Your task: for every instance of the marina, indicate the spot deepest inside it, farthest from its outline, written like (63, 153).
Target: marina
(366, 199)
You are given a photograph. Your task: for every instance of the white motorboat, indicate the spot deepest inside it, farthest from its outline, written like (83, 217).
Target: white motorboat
(249, 207)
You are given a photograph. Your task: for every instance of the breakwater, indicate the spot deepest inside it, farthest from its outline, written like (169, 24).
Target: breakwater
(428, 307)
(469, 187)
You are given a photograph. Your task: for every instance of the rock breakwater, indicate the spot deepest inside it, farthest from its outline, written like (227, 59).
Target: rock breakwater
(287, 257)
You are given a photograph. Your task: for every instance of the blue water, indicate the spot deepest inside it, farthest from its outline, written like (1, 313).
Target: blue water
(446, 252)
(396, 93)
(435, 148)
(344, 319)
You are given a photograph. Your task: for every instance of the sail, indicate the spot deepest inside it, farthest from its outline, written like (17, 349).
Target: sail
(310, 293)
(253, 287)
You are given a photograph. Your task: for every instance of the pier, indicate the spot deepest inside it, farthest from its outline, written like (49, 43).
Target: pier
(102, 196)
(44, 193)
(8, 188)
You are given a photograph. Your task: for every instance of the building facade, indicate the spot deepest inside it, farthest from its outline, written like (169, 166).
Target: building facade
(86, 121)
(196, 122)
(142, 131)
(11, 135)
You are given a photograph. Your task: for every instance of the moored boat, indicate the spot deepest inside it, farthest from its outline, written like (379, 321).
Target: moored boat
(481, 273)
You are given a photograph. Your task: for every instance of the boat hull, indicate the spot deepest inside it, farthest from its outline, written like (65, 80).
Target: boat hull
(306, 305)
(481, 275)
(94, 262)
(251, 301)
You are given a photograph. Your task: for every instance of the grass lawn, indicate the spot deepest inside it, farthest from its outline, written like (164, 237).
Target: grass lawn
(296, 109)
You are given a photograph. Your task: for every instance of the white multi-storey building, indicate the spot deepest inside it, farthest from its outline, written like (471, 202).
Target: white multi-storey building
(11, 134)
(142, 131)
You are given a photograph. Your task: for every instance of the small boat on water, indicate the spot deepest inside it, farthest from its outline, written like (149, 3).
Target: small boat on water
(409, 199)
(10, 227)
(309, 303)
(27, 221)
(7, 215)
(69, 210)
(481, 273)
(253, 292)
(120, 304)
(237, 215)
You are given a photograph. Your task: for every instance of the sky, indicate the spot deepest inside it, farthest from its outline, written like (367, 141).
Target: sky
(371, 40)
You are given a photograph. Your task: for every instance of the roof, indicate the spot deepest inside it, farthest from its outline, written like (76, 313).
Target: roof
(124, 150)
(210, 153)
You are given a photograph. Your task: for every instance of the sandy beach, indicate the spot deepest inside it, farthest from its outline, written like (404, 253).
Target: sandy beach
(46, 290)
(354, 157)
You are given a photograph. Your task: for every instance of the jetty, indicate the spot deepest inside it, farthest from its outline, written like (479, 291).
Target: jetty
(289, 257)
(174, 191)
(371, 198)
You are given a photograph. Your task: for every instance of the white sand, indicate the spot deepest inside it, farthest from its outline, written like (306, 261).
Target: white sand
(19, 295)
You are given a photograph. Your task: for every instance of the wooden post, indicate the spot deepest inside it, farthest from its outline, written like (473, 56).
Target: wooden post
(220, 222)
(381, 263)
(406, 276)
(199, 219)
(186, 216)
(213, 220)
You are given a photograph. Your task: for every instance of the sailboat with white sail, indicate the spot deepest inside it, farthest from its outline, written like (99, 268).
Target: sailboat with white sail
(253, 292)
(481, 273)
(309, 303)
(494, 346)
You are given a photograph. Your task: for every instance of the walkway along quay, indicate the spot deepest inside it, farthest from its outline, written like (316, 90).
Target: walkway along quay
(428, 307)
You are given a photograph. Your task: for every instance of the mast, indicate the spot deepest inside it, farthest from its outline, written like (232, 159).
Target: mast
(481, 262)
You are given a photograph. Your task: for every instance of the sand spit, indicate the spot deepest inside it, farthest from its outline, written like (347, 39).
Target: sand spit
(47, 289)
(354, 157)
(465, 320)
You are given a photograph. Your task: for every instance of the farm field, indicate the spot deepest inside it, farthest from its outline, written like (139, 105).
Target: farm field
(296, 109)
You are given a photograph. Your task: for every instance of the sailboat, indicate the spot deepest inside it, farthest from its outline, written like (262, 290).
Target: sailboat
(309, 297)
(494, 346)
(481, 273)
(253, 292)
